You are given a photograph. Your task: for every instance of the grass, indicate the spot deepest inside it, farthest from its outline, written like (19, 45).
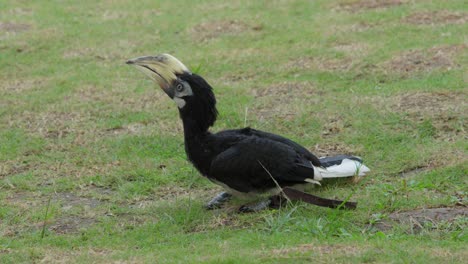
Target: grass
(92, 163)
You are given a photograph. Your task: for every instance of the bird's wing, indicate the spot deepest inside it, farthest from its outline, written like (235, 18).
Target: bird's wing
(256, 164)
(300, 149)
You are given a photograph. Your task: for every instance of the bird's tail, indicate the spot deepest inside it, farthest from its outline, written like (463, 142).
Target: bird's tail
(341, 166)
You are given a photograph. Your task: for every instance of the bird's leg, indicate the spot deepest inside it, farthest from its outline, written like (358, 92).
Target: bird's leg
(278, 201)
(218, 201)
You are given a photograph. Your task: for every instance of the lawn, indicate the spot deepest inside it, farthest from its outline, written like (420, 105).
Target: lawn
(92, 161)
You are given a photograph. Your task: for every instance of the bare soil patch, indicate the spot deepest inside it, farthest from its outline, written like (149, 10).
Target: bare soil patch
(356, 6)
(53, 124)
(409, 62)
(71, 224)
(74, 223)
(13, 27)
(214, 29)
(21, 85)
(283, 99)
(437, 17)
(320, 63)
(446, 111)
(284, 90)
(418, 219)
(334, 125)
(24, 200)
(319, 249)
(332, 149)
(13, 167)
(69, 200)
(230, 79)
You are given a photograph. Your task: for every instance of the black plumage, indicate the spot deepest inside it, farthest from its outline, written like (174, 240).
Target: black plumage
(243, 160)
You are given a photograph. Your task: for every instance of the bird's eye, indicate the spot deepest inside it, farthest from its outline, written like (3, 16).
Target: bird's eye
(179, 87)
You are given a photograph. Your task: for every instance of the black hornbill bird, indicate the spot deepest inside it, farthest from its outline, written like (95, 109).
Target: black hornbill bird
(243, 161)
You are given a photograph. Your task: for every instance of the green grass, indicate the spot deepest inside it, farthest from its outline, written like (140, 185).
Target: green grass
(80, 128)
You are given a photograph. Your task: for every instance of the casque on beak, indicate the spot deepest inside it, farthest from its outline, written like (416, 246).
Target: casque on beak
(162, 68)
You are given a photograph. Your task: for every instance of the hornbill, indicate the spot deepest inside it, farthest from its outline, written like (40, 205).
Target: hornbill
(244, 161)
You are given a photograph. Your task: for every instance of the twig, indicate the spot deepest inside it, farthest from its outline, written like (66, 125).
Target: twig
(277, 184)
(45, 218)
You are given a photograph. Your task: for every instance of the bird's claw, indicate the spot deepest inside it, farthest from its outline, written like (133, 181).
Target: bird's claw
(218, 201)
(259, 206)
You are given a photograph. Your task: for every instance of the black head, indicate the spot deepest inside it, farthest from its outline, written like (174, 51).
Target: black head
(192, 94)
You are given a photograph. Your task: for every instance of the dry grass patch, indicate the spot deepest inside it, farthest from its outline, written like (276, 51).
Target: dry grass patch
(441, 113)
(13, 167)
(361, 5)
(51, 124)
(320, 63)
(431, 103)
(230, 79)
(119, 98)
(353, 49)
(437, 17)
(419, 218)
(17, 86)
(11, 27)
(321, 250)
(93, 254)
(71, 224)
(214, 29)
(283, 99)
(284, 91)
(445, 110)
(333, 149)
(409, 62)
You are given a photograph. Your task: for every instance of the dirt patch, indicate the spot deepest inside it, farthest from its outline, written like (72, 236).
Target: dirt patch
(283, 100)
(352, 49)
(443, 112)
(215, 29)
(14, 27)
(318, 249)
(69, 200)
(320, 63)
(230, 79)
(71, 224)
(24, 200)
(284, 90)
(431, 103)
(53, 124)
(418, 219)
(118, 98)
(229, 220)
(112, 53)
(332, 149)
(334, 125)
(134, 128)
(356, 6)
(411, 172)
(13, 167)
(21, 85)
(424, 60)
(437, 17)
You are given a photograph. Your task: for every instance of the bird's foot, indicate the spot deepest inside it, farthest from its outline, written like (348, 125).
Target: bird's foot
(218, 201)
(278, 201)
(274, 202)
(255, 207)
